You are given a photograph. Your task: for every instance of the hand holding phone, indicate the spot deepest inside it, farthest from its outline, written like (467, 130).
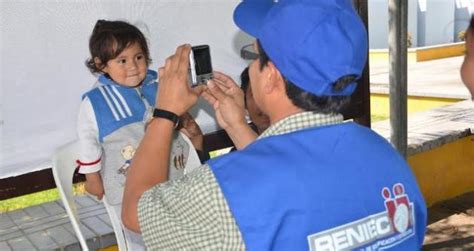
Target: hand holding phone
(200, 66)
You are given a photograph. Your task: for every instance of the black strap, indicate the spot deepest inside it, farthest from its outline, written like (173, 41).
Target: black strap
(173, 117)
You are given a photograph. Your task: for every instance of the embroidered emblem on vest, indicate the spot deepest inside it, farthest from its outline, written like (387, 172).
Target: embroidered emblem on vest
(377, 231)
(127, 153)
(179, 153)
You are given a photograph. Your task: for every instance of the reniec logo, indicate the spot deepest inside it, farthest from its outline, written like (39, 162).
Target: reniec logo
(377, 231)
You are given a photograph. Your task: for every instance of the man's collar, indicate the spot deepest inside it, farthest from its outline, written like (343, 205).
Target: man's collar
(301, 121)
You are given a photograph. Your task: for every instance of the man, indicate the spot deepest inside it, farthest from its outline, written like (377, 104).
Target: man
(310, 181)
(467, 68)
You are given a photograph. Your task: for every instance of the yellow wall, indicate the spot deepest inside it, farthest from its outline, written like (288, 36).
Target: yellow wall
(452, 50)
(380, 106)
(422, 53)
(382, 56)
(443, 172)
(446, 171)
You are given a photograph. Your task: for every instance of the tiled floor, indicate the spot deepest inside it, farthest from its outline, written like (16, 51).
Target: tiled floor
(47, 227)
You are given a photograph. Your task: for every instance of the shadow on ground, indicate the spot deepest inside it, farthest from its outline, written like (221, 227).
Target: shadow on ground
(451, 224)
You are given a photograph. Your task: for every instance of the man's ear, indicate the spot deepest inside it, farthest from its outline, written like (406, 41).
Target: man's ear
(275, 80)
(98, 63)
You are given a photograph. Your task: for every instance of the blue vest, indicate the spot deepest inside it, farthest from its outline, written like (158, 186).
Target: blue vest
(325, 188)
(116, 106)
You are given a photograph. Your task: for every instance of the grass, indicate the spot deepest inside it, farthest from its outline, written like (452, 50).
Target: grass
(216, 153)
(376, 118)
(35, 198)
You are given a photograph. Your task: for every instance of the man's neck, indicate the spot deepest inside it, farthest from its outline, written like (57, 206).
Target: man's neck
(283, 113)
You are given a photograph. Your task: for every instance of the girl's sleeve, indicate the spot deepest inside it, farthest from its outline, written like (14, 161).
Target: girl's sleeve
(90, 149)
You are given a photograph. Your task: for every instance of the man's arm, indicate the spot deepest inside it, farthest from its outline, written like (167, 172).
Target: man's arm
(150, 163)
(149, 167)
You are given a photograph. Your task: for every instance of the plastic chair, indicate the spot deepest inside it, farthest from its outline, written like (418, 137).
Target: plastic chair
(64, 165)
(117, 225)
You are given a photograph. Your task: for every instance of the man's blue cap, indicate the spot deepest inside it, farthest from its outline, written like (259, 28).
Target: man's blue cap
(313, 43)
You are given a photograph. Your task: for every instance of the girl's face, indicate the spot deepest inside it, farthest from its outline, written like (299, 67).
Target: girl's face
(129, 68)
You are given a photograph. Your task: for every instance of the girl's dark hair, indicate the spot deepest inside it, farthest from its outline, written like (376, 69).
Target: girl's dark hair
(109, 39)
(303, 99)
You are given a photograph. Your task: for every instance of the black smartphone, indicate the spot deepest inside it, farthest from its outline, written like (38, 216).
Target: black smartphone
(200, 66)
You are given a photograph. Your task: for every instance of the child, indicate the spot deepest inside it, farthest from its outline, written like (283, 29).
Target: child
(189, 127)
(467, 68)
(111, 116)
(258, 118)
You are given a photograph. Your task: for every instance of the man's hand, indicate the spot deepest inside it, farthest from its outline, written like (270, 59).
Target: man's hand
(227, 99)
(230, 88)
(174, 93)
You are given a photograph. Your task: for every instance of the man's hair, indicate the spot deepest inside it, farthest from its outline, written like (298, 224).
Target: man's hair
(109, 39)
(306, 100)
(244, 83)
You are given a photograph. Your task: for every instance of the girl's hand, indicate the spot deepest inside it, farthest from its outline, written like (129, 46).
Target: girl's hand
(94, 185)
(191, 129)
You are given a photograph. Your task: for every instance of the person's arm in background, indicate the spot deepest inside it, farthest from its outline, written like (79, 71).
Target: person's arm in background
(191, 129)
(227, 99)
(150, 163)
(90, 150)
(467, 67)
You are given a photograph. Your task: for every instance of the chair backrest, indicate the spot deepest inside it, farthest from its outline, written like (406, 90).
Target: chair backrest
(64, 164)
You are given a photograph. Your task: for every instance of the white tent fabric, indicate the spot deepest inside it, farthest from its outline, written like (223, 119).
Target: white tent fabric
(44, 44)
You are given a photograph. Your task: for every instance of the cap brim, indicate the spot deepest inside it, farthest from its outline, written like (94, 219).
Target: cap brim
(249, 15)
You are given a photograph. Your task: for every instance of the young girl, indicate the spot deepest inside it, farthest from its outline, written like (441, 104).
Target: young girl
(111, 116)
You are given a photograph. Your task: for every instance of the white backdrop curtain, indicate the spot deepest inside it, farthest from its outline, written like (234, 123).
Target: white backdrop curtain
(44, 44)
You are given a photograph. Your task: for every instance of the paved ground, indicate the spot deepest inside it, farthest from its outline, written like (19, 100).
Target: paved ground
(435, 78)
(451, 224)
(47, 227)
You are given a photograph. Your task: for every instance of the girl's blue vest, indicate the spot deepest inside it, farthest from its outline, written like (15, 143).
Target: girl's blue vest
(116, 106)
(325, 188)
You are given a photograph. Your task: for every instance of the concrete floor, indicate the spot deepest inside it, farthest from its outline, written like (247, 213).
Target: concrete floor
(451, 224)
(435, 78)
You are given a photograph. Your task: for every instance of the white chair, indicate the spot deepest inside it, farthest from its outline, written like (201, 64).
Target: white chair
(64, 165)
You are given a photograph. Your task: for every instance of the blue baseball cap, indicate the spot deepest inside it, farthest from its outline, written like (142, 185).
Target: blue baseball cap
(313, 43)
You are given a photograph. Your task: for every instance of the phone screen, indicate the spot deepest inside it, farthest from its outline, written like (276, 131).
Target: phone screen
(202, 57)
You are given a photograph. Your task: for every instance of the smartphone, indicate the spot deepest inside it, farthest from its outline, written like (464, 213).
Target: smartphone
(200, 66)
